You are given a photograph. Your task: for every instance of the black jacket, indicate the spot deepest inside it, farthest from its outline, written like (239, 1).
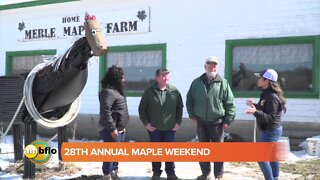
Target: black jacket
(113, 110)
(269, 110)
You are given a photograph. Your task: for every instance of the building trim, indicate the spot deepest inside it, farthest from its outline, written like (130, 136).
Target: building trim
(314, 40)
(11, 54)
(32, 4)
(130, 48)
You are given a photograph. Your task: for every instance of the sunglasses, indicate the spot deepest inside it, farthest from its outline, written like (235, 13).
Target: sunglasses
(211, 63)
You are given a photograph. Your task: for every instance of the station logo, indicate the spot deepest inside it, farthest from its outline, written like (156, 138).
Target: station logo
(39, 152)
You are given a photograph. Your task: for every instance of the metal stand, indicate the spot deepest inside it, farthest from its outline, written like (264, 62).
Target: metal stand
(17, 142)
(30, 136)
(62, 137)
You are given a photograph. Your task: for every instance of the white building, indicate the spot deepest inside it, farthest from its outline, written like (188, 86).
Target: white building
(146, 34)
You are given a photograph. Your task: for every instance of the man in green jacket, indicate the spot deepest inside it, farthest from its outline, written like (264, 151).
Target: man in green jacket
(160, 110)
(210, 104)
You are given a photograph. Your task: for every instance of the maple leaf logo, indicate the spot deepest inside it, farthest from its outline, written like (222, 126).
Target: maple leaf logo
(142, 15)
(21, 26)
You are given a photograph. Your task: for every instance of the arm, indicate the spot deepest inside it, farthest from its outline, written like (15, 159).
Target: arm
(190, 102)
(143, 108)
(229, 106)
(270, 111)
(143, 111)
(107, 99)
(179, 108)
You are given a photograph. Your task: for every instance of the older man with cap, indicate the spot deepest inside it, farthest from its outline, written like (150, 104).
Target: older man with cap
(210, 105)
(268, 113)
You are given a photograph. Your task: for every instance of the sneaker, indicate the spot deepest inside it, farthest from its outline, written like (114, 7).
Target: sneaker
(107, 177)
(203, 177)
(115, 175)
(172, 177)
(156, 176)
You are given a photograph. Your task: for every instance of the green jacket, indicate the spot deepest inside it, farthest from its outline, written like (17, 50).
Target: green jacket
(165, 116)
(214, 105)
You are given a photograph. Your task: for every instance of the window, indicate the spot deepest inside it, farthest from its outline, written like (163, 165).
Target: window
(295, 59)
(20, 62)
(139, 64)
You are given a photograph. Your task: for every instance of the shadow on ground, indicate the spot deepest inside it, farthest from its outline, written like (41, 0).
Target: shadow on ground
(99, 177)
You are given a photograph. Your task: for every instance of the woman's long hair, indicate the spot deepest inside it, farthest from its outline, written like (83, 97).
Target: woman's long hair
(113, 79)
(277, 89)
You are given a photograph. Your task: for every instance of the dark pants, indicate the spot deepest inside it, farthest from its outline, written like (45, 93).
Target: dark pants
(108, 167)
(270, 170)
(210, 133)
(162, 136)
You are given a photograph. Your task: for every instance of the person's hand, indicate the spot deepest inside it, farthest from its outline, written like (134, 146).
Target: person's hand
(225, 126)
(195, 120)
(251, 110)
(150, 128)
(250, 102)
(176, 127)
(115, 134)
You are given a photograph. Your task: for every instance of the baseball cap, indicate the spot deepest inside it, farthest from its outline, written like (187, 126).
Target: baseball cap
(269, 74)
(212, 59)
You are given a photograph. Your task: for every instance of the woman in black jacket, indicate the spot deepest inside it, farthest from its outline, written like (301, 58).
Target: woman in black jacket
(114, 114)
(268, 115)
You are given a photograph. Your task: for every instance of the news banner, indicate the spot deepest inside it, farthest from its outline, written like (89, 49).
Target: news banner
(176, 151)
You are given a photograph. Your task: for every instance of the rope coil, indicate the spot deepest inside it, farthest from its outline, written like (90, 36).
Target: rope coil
(42, 121)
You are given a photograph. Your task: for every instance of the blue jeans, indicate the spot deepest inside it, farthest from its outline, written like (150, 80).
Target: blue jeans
(108, 167)
(270, 170)
(162, 136)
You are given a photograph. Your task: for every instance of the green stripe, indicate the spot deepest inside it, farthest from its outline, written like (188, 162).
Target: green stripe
(32, 4)
(11, 54)
(314, 40)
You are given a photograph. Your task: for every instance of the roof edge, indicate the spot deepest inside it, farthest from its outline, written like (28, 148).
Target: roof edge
(32, 4)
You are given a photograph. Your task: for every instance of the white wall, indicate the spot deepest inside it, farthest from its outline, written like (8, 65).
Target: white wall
(192, 30)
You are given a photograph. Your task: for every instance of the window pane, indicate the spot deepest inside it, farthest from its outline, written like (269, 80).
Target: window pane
(293, 62)
(139, 67)
(24, 64)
